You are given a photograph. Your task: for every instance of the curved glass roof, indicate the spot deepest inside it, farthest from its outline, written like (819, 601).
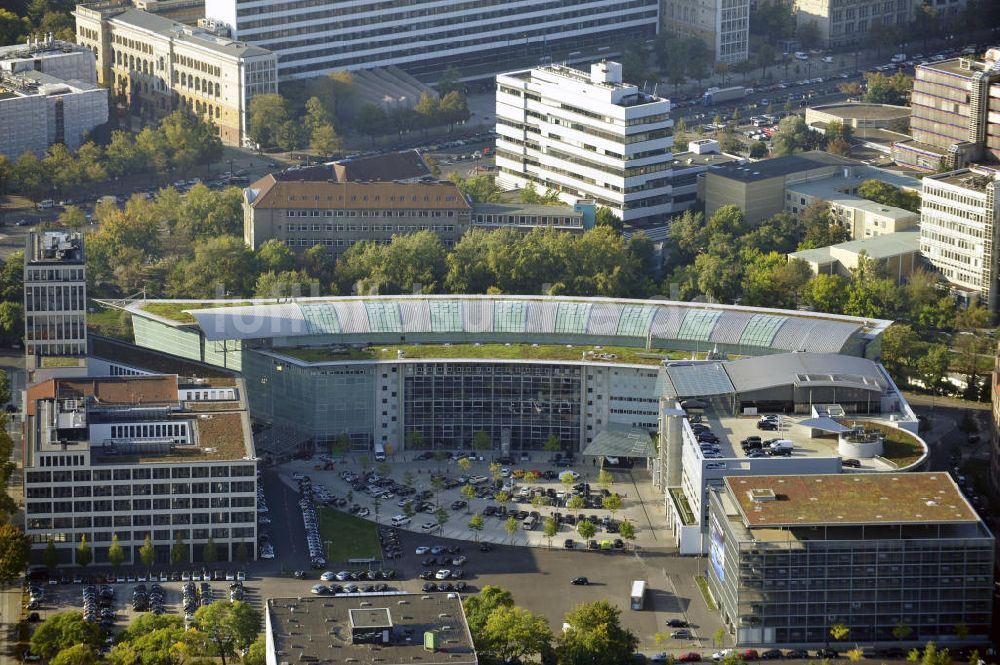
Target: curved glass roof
(467, 318)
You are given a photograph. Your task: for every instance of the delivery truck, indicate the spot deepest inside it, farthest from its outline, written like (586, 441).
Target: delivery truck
(719, 95)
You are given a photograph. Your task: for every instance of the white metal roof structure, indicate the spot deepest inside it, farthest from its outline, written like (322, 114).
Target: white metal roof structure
(805, 369)
(460, 318)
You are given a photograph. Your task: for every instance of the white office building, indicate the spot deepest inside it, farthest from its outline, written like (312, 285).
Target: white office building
(959, 212)
(724, 25)
(321, 36)
(159, 456)
(586, 136)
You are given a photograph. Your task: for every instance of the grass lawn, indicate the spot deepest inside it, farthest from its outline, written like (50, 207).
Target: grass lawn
(350, 537)
(175, 310)
(899, 446)
(110, 323)
(705, 594)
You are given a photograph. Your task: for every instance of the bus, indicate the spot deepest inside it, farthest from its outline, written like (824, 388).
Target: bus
(638, 594)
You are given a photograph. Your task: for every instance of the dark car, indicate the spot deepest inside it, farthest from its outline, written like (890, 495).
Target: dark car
(485, 547)
(749, 654)
(677, 623)
(767, 425)
(827, 653)
(772, 654)
(430, 586)
(569, 543)
(798, 654)
(34, 617)
(580, 581)
(851, 463)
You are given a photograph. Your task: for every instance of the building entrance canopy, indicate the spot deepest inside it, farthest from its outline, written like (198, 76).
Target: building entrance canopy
(624, 442)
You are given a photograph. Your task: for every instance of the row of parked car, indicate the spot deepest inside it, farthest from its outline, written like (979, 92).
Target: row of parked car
(99, 604)
(315, 542)
(151, 600)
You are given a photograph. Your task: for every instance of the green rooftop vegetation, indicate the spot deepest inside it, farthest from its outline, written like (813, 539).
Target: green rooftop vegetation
(687, 515)
(110, 323)
(615, 354)
(900, 447)
(175, 310)
(62, 361)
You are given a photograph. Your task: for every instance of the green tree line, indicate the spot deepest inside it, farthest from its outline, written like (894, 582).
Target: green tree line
(180, 143)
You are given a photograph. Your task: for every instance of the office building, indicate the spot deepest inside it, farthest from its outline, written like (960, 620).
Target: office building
(959, 215)
(995, 432)
(391, 628)
(724, 25)
(162, 456)
(896, 254)
(337, 215)
(586, 136)
(792, 555)
(62, 60)
(822, 399)
(55, 304)
(425, 37)
(954, 121)
(527, 217)
(155, 65)
(38, 110)
(520, 368)
(848, 22)
(790, 184)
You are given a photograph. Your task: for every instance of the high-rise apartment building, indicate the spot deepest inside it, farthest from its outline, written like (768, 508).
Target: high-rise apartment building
(955, 113)
(155, 65)
(959, 222)
(724, 25)
(55, 299)
(586, 136)
(318, 37)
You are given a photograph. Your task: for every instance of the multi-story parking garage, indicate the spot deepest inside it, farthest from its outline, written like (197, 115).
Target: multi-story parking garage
(409, 371)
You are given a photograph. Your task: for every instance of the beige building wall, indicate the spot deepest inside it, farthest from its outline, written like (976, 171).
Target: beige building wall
(153, 70)
(844, 22)
(722, 24)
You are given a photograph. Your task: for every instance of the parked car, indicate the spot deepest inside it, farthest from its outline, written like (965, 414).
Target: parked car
(580, 581)
(689, 657)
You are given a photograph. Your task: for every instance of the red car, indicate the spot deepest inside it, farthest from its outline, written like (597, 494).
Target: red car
(749, 654)
(689, 657)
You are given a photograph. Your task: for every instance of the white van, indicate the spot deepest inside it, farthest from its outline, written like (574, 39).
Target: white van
(400, 520)
(379, 452)
(782, 445)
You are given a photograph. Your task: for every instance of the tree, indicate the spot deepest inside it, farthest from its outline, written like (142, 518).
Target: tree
(147, 553)
(821, 229)
(718, 637)
(14, 551)
(220, 265)
(765, 58)
(680, 136)
(229, 626)
(758, 150)
(13, 28)
(575, 503)
(257, 653)
(209, 551)
(627, 530)
(552, 444)
(50, 557)
(932, 367)
(469, 492)
(605, 479)
(479, 607)
(793, 136)
(550, 528)
(442, 517)
(371, 121)
(31, 176)
(267, 114)
(586, 529)
(512, 634)
(274, 255)
(84, 553)
(898, 350)
(450, 80)
(480, 188)
(839, 631)
(427, 109)
(890, 195)
(901, 631)
(808, 34)
(511, 525)
(116, 555)
(477, 523)
(290, 135)
(595, 636)
(324, 140)
(612, 503)
(241, 553)
(179, 550)
(78, 654)
(481, 441)
(883, 89)
(62, 631)
(453, 109)
(826, 293)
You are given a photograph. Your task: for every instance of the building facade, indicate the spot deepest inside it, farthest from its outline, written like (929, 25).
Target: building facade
(155, 65)
(338, 215)
(847, 22)
(520, 368)
(425, 37)
(586, 136)
(63, 60)
(38, 110)
(954, 120)
(157, 456)
(724, 25)
(959, 215)
(793, 555)
(55, 296)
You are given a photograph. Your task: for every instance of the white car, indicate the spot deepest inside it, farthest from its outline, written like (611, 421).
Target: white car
(319, 589)
(505, 472)
(343, 576)
(721, 655)
(442, 574)
(229, 576)
(429, 526)
(573, 474)
(241, 576)
(478, 480)
(423, 549)
(267, 552)
(328, 576)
